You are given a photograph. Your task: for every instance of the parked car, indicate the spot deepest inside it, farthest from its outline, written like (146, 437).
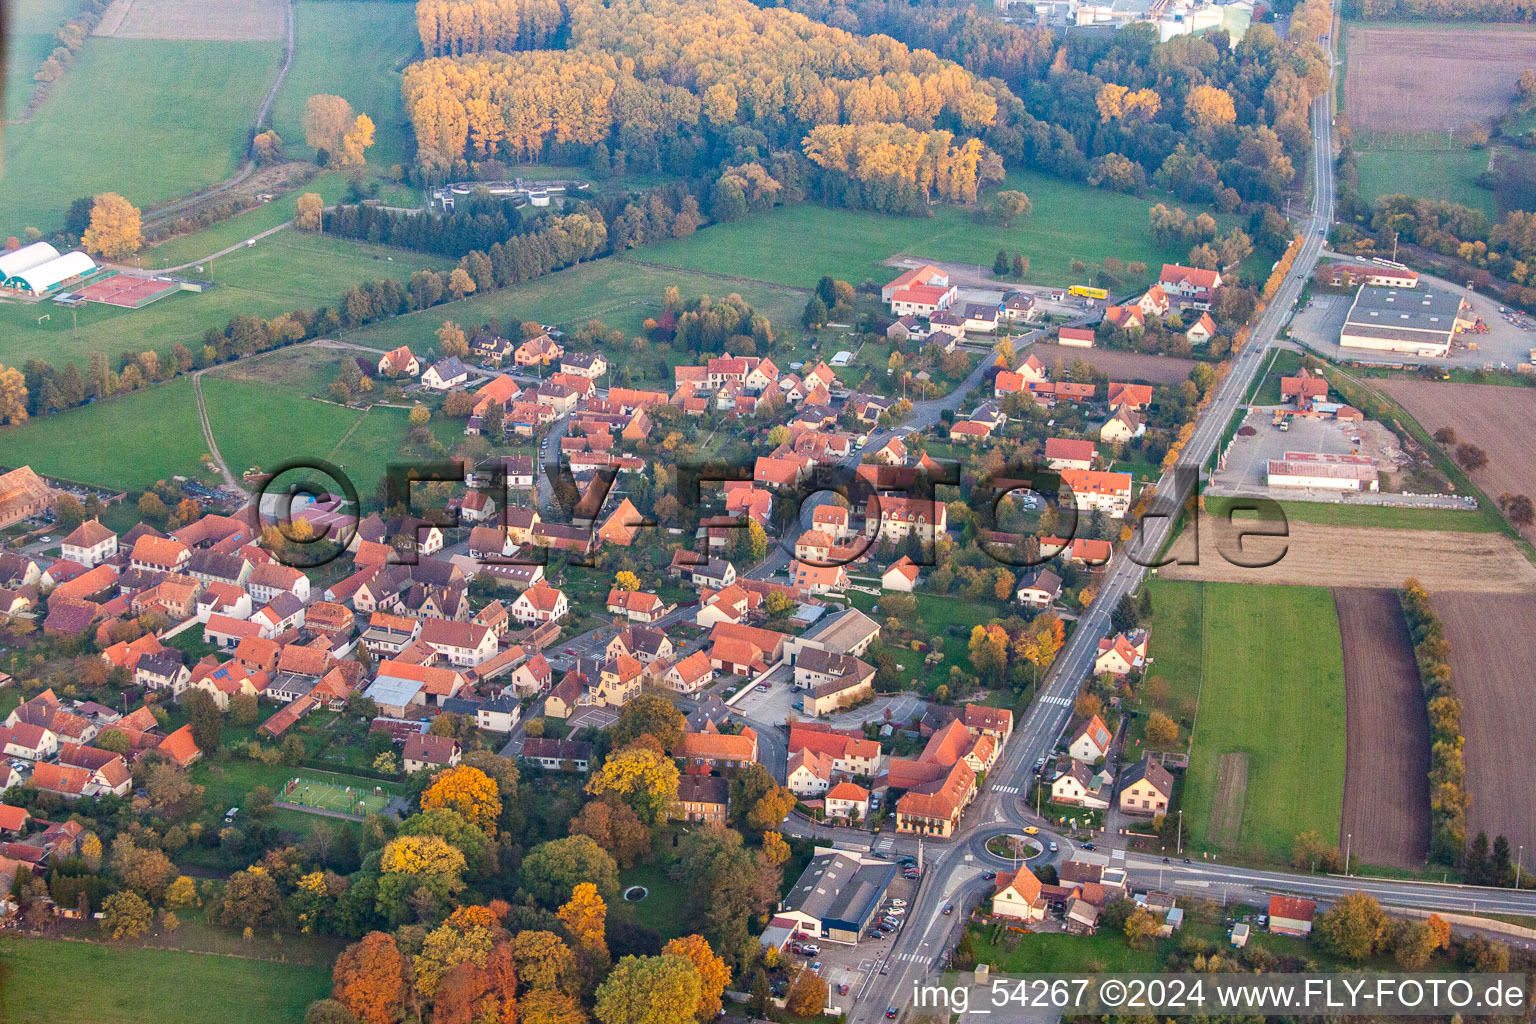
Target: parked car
(816, 965)
(842, 988)
(810, 949)
(898, 903)
(896, 911)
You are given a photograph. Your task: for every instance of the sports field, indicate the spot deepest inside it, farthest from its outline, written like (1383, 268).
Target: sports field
(108, 126)
(1269, 739)
(286, 271)
(355, 49)
(114, 984)
(797, 244)
(326, 796)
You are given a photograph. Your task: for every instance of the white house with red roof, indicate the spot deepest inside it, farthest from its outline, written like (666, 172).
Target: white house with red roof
(1122, 654)
(539, 604)
(1190, 285)
(1091, 740)
(1068, 453)
(902, 575)
(922, 291)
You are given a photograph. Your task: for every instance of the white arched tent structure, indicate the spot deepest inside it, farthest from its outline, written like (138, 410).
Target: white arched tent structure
(28, 256)
(45, 276)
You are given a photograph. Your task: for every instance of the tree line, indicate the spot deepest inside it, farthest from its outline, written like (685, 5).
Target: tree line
(1197, 114)
(1448, 798)
(679, 81)
(1439, 10)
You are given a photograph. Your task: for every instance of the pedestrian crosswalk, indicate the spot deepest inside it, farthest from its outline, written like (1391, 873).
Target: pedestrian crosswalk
(884, 846)
(1063, 701)
(1005, 789)
(910, 957)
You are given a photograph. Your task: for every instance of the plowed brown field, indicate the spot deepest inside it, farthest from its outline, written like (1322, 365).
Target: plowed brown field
(1353, 556)
(1493, 644)
(1386, 783)
(1495, 418)
(1423, 79)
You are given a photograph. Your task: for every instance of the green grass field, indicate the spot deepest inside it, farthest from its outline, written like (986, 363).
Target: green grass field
(662, 910)
(797, 244)
(1283, 363)
(109, 126)
(1448, 175)
(29, 31)
(226, 785)
(1273, 688)
(617, 292)
(355, 49)
(127, 441)
(326, 796)
(1177, 629)
(1326, 513)
(264, 425)
(198, 245)
(287, 271)
(48, 980)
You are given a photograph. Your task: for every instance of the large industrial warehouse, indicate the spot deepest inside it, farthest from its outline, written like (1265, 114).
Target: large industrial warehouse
(1411, 321)
(1325, 472)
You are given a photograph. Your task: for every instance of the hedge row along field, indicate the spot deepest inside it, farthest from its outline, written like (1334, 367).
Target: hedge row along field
(1448, 798)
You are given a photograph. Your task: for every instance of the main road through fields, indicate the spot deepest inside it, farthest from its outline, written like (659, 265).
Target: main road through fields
(918, 948)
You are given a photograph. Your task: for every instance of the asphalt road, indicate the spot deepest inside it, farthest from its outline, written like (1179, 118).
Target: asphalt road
(955, 871)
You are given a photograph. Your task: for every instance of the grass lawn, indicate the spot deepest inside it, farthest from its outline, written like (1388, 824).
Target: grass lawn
(228, 783)
(129, 441)
(662, 910)
(109, 126)
(1273, 688)
(797, 244)
(264, 425)
(1177, 626)
(166, 986)
(1047, 953)
(1448, 174)
(942, 621)
(354, 49)
(619, 293)
(1284, 363)
(197, 245)
(29, 32)
(287, 271)
(1391, 518)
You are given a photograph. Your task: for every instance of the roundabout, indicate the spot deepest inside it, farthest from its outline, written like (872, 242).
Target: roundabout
(1007, 847)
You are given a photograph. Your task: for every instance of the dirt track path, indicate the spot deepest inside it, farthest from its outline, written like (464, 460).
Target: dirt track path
(176, 206)
(230, 480)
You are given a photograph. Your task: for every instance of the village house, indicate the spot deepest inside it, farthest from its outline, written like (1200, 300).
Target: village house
(539, 604)
(704, 798)
(1065, 453)
(635, 606)
(1121, 654)
(1018, 896)
(689, 675)
(89, 544)
(1145, 788)
(901, 576)
(1079, 786)
(424, 752)
(832, 681)
(540, 350)
(463, 644)
(1290, 915)
(1040, 589)
(445, 375)
(557, 755)
(158, 554)
(1090, 743)
(1191, 286)
(398, 363)
(644, 644)
(847, 801)
(893, 518)
(1122, 425)
(714, 749)
(1095, 491)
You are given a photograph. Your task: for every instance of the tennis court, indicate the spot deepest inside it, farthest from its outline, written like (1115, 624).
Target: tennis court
(326, 796)
(127, 291)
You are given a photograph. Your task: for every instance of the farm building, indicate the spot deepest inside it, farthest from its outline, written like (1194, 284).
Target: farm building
(1289, 915)
(1324, 472)
(1380, 273)
(38, 268)
(1417, 322)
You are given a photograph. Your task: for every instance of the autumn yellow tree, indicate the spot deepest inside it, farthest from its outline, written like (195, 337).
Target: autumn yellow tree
(585, 915)
(13, 396)
(447, 946)
(115, 229)
(469, 791)
(642, 778)
(1208, 107)
(714, 975)
(626, 580)
(309, 213)
(452, 339)
(327, 119)
(460, 283)
(355, 141)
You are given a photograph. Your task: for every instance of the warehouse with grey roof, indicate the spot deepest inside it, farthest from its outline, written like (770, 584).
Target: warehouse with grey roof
(1411, 321)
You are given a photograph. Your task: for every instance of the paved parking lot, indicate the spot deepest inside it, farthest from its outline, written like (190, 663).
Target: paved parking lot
(854, 965)
(1507, 343)
(1247, 461)
(777, 704)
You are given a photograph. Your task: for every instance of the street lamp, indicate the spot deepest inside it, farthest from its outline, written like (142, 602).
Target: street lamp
(1179, 849)
(1518, 854)
(1348, 841)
